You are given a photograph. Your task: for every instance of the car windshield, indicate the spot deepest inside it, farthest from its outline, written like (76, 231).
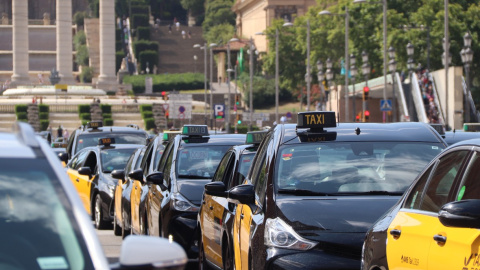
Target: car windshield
(199, 162)
(37, 226)
(91, 139)
(115, 159)
(343, 168)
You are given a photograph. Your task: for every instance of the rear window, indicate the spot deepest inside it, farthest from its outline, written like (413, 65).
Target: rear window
(115, 159)
(91, 139)
(37, 228)
(199, 162)
(342, 167)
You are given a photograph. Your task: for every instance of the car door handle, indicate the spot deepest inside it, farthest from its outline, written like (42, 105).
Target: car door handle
(211, 207)
(78, 180)
(396, 233)
(241, 216)
(136, 187)
(440, 238)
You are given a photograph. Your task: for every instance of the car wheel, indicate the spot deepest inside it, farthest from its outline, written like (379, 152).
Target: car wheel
(117, 230)
(202, 263)
(100, 224)
(125, 232)
(228, 263)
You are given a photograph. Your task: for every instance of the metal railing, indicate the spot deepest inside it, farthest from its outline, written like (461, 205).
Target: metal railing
(68, 108)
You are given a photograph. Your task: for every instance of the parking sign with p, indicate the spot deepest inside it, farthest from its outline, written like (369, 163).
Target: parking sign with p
(219, 112)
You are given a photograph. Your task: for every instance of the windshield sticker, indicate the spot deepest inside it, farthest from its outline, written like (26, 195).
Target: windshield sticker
(199, 155)
(410, 260)
(52, 263)
(435, 147)
(461, 193)
(287, 156)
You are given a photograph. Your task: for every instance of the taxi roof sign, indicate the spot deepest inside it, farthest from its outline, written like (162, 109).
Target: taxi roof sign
(94, 124)
(316, 120)
(195, 130)
(167, 135)
(255, 137)
(106, 141)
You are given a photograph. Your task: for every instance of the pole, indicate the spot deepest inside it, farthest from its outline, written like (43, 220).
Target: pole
(354, 99)
(205, 81)
(308, 66)
(276, 76)
(384, 50)
(211, 81)
(467, 100)
(394, 98)
(228, 98)
(235, 106)
(250, 100)
(347, 63)
(447, 49)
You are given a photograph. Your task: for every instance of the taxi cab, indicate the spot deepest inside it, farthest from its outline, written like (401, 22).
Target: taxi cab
(88, 135)
(215, 217)
(176, 186)
(90, 172)
(316, 187)
(436, 223)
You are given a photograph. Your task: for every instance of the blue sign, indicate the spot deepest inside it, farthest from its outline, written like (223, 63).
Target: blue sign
(386, 105)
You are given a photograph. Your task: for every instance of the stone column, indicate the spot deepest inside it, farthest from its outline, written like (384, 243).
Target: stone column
(107, 43)
(64, 41)
(20, 42)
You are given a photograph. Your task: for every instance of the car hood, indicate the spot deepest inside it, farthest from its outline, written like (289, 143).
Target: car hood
(192, 190)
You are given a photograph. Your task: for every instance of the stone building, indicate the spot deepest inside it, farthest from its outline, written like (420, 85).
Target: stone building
(37, 8)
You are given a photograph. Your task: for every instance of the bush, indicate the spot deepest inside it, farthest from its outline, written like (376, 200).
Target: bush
(118, 34)
(21, 115)
(147, 114)
(84, 108)
(43, 108)
(107, 121)
(149, 123)
(79, 17)
(21, 108)
(43, 115)
(139, 20)
(87, 74)
(166, 82)
(106, 115)
(144, 45)
(140, 8)
(106, 108)
(243, 129)
(119, 45)
(44, 124)
(82, 55)
(143, 33)
(79, 39)
(146, 108)
(85, 116)
(84, 122)
(150, 57)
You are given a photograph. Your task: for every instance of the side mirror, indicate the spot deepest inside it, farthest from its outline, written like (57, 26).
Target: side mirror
(461, 214)
(136, 175)
(63, 157)
(242, 194)
(85, 171)
(156, 178)
(216, 189)
(151, 252)
(118, 174)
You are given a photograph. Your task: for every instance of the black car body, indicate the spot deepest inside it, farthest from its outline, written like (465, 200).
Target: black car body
(176, 187)
(215, 218)
(455, 136)
(90, 172)
(315, 188)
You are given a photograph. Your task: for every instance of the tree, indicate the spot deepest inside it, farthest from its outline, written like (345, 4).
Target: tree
(218, 12)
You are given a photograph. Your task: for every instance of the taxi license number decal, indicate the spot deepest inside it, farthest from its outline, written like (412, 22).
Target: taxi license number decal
(410, 260)
(474, 260)
(199, 155)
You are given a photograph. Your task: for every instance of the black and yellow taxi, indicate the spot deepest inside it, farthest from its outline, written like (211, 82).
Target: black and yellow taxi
(176, 186)
(90, 172)
(435, 225)
(316, 187)
(88, 135)
(215, 218)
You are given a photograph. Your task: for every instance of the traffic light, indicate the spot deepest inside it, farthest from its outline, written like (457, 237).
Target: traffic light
(366, 90)
(164, 95)
(367, 115)
(357, 118)
(237, 100)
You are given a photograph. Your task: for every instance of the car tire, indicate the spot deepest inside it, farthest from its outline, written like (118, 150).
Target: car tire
(117, 230)
(125, 232)
(100, 223)
(202, 263)
(227, 255)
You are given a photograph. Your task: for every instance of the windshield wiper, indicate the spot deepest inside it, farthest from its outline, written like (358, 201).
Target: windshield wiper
(192, 176)
(372, 192)
(302, 192)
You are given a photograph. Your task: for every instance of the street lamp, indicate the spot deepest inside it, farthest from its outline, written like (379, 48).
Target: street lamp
(365, 72)
(229, 70)
(329, 74)
(347, 18)
(384, 3)
(353, 72)
(195, 63)
(321, 77)
(428, 39)
(392, 66)
(251, 49)
(204, 48)
(467, 57)
(212, 45)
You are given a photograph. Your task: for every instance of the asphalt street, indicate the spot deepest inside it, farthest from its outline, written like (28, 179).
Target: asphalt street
(111, 244)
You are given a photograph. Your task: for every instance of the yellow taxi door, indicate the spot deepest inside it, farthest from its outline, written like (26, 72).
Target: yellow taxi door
(118, 200)
(85, 191)
(135, 203)
(244, 233)
(208, 229)
(236, 237)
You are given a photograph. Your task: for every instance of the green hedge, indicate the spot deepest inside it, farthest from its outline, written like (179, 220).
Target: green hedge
(166, 82)
(243, 129)
(140, 9)
(82, 56)
(118, 45)
(106, 108)
(139, 20)
(43, 108)
(84, 122)
(83, 109)
(144, 45)
(107, 121)
(147, 114)
(21, 108)
(118, 34)
(146, 107)
(143, 33)
(149, 123)
(86, 116)
(43, 116)
(44, 124)
(148, 56)
(21, 115)
(87, 74)
(107, 115)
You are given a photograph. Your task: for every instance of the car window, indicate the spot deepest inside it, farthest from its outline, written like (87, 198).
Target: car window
(39, 230)
(115, 159)
(128, 167)
(158, 154)
(415, 197)
(438, 188)
(470, 189)
(244, 165)
(199, 162)
(147, 157)
(222, 167)
(165, 154)
(77, 160)
(139, 159)
(261, 177)
(91, 139)
(168, 168)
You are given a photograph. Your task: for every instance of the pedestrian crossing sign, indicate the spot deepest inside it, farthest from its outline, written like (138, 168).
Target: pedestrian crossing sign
(386, 105)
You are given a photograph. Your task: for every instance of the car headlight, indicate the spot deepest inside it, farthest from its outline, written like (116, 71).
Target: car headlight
(280, 234)
(182, 204)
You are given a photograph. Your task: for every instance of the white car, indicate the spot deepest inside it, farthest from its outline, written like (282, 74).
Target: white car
(43, 224)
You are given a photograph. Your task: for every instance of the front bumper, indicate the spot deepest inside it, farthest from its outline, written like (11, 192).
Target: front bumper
(183, 229)
(310, 259)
